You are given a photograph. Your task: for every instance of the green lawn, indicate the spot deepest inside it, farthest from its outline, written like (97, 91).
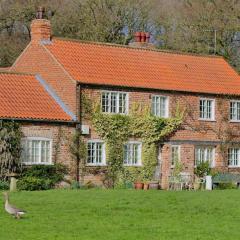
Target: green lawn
(123, 214)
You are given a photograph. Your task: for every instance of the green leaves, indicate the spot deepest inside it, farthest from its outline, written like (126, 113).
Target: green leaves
(117, 129)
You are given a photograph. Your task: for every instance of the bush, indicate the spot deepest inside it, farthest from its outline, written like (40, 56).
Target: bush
(229, 185)
(33, 183)
(41, 177)
(55, 173)
(202, 169)
(4, 185)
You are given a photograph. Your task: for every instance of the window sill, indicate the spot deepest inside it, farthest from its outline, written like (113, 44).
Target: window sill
(110, 113)
(233, 166)
(207, 120)
(234, 121)
(29, 164)
(131, 165)
(96, 165)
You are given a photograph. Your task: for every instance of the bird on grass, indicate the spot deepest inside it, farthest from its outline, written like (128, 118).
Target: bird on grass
(17, 213)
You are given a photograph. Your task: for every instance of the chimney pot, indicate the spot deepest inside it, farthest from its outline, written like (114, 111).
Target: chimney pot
(147, 37)
(40, 13)
(137, 37)
(143, 37)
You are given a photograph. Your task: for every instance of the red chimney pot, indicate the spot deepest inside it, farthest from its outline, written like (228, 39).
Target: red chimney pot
(137, 37)
(143, 37)
(147, 37)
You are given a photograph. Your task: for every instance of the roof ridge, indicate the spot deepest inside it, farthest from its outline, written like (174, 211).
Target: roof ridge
(139, 48)
(17, 73)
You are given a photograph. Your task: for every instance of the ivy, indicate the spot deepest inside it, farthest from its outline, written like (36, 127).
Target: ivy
(117, 129)
(10, 148)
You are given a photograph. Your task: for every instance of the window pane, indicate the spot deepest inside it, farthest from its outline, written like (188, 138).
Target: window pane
(132, 154)
(113, 103)
(95, 153)
(204, 154)
(105, 102)
(175, 155)
(159, 106)
(206, 109)
(233, 157)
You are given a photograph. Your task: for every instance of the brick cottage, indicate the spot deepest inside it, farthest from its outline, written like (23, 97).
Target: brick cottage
(206, 88)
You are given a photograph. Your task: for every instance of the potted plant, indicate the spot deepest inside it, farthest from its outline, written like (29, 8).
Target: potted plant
(201, 171)
(154, 185)
(138, 184)
(145, 185)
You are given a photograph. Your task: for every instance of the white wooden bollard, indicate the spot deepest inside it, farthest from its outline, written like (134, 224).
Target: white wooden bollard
(208, 182)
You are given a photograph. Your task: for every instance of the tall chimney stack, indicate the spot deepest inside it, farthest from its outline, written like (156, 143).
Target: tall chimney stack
(40, 27)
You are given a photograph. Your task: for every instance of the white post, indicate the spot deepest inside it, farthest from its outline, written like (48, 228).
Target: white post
(208, 182)
(13, 185)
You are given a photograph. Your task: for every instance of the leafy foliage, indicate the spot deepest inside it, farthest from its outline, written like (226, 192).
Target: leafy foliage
(202, 169)
(41, 177)
(116, 129)
(31, 183)
(10, 148)
(4, 185)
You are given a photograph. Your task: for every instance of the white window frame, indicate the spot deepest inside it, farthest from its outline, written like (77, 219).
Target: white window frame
(179, 154)
(24, 141)
(237, 102)
(103, 163)
(212, 109)
(237, 158)
(139, 160)
(117, 102)
(212, 163)
(153, 106)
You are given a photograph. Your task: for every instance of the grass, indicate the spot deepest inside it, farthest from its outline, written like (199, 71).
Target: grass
(123, 214)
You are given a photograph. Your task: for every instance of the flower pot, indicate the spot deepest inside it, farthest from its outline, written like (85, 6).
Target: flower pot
(138, 185)
(145, 186)
(154, 185)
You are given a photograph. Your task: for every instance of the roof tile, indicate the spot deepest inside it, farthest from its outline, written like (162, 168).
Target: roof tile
(22, 96)
(105, 64)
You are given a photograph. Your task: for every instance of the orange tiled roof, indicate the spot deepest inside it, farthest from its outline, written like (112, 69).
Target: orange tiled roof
(23, 97)
(105, 64)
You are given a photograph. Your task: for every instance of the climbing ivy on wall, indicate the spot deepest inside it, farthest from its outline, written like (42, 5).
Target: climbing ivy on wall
(117, 129)
(10, 148)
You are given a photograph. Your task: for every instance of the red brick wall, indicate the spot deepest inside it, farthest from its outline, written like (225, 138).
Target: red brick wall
(60, 134)
(193, 131)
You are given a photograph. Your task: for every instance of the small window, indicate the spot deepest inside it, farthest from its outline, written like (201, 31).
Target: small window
(204, 154)
(114, 102)
(36, 151)
(175, 155)
(132, 154)
(235, 110)
(207, 110)
(96, 153)
(234, 157)
(160, 106)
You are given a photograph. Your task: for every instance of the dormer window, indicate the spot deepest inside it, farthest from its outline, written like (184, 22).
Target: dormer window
(114, 102)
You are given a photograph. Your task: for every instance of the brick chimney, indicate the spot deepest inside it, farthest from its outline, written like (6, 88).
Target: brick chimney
(141, 40)
(40, 27)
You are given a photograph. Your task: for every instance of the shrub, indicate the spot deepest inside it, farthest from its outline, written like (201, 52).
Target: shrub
(202, 169)
(4, 185)
(54, 173)
(41, 177)
(229, 185)
(33, 183)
